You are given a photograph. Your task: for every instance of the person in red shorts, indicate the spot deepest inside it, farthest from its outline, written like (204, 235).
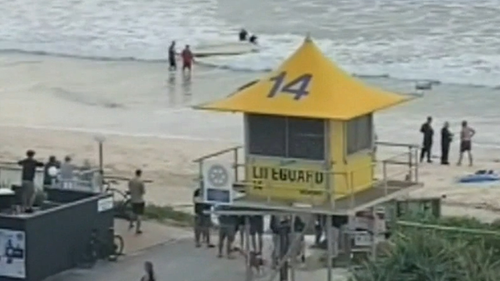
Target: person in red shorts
(187, 59)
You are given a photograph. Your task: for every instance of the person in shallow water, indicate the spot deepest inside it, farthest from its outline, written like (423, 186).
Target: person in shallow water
(428, 134)
(243, 35)
(446, 137)
(172, 65)
(187, 60)
(253, 39)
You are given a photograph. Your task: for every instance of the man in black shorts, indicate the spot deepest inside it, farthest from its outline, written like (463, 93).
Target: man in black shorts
(137, 191)
(202, 221)
(227, 226)
(466, 135)
(257, 229)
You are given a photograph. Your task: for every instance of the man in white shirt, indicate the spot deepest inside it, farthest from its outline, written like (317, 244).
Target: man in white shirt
(466, 135)
(67, 173)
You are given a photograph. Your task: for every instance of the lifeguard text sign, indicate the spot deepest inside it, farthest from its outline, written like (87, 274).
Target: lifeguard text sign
(296, 182)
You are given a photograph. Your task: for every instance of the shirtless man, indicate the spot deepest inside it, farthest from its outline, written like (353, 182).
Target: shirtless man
(466, 135)
(187, 60)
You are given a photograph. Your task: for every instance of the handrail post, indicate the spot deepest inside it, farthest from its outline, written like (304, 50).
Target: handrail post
(200, 177)
(384, 172)
(416, 164)
(235, 157)
(351, 188)
(410, 163)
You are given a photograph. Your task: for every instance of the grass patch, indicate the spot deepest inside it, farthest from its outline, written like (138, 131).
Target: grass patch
(167, 214)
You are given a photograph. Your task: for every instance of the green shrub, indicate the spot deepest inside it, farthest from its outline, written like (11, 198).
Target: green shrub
(425, 254)
(167, 213)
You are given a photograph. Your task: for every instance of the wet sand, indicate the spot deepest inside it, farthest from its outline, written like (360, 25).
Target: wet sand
(57, 106)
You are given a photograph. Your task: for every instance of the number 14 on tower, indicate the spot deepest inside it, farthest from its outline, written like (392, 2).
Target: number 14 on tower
(298, 87)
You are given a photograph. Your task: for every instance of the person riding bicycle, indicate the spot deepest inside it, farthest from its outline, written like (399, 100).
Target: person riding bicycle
(137, 191)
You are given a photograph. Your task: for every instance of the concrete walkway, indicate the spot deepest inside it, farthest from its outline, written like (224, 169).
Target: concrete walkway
(174, 256)
(178, 260)
(154, 234)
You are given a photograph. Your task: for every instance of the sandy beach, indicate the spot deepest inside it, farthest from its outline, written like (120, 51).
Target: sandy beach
(169, 164)
(147, 121)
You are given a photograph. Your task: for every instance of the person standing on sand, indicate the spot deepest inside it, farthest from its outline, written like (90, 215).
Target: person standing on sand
(172, 64)
(428, 134)
(29, 165)
(202, 221)
(187, 60)
(446, 138)
(466, 135)
(137, 191)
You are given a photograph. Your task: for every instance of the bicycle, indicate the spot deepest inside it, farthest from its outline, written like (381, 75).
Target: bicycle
(122, 205)
(109, 247)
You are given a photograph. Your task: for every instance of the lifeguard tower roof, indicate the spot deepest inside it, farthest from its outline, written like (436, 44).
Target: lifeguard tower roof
(324, 90)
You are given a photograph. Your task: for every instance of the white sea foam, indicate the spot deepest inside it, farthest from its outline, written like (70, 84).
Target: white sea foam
(449, 40)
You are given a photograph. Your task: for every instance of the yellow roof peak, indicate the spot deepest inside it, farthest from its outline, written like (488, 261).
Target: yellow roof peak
(308, 37)
(307, 84)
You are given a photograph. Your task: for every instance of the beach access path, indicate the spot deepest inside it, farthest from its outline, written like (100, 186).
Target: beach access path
(179, 260)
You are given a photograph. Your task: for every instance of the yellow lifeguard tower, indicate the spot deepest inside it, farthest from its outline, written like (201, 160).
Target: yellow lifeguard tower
(309, 138)
(309, 148)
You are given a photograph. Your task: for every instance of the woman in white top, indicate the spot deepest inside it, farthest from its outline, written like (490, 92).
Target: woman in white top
(149, 273)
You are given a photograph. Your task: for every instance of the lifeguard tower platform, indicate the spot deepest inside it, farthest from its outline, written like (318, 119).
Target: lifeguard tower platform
(310, 143)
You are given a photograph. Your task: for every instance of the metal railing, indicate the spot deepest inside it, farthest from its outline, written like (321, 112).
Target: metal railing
(235, 150)
(409, 158)
(77, 185)
(84, 180)
(406, 162)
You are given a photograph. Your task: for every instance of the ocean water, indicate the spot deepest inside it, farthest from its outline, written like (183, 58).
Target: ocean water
(454, 41)
(392, 43)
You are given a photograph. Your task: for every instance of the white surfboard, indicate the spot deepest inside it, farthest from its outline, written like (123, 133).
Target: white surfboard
(224, 49)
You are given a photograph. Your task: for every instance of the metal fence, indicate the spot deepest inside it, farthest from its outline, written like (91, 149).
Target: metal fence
(86, 180)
